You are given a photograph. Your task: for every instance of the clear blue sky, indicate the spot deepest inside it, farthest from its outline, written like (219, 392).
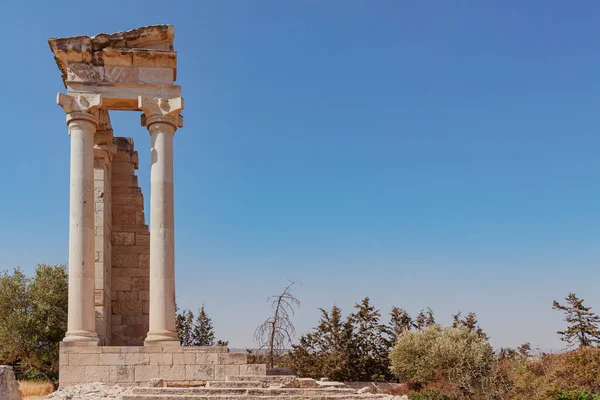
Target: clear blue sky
(441, 154)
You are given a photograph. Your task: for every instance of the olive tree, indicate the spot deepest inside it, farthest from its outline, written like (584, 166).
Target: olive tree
(33, 319)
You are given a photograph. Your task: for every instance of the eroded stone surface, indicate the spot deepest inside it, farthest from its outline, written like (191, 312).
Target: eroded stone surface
(148, 46)
(9, 387)
(90, 391)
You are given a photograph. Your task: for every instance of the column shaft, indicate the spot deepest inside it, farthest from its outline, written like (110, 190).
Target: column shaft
(81, 319)
(162, 240)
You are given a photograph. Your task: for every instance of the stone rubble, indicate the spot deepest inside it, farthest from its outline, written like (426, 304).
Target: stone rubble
(98, 390)
(156, 382)
(330, 384)
(366, 389)
(89, 391)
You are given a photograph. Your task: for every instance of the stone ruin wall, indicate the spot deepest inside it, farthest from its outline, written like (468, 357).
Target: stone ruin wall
(122, 249)
(102, 236)
(136, 365)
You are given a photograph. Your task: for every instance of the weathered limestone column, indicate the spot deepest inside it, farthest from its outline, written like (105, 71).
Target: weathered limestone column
(161, 117)
(82, 120)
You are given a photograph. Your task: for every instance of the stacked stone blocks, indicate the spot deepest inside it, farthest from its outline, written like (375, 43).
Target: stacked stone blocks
(130, 241)
(136, 365)
(102, 235)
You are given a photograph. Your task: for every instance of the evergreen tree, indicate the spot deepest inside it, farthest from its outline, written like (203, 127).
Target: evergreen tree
(371, 360)
(430, 320)
(203, 332)
(184, 323)
(326, 350)
(400, 322)
(470, 321)
(425, 318)
(335, 343)
(181, 325)
(582, 323)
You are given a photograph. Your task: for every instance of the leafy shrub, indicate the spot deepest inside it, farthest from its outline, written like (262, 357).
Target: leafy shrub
(550, 374)
(578, 395)
(412, 357)
(429, 394)
(457, 355)
(583, 369)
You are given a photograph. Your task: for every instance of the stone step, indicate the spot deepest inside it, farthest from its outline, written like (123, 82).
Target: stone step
(260, 378)
(246, 392)
(246, 397)
(235, 384)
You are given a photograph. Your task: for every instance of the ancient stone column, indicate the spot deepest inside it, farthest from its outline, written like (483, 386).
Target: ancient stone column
(82, 120)
(161, 117)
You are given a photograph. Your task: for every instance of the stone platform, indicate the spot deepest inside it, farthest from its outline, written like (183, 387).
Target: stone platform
(260, 388)
(136, 365)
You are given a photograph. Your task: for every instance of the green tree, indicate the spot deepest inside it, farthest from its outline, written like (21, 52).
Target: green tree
(352, 349)
(194, 331)
(400, 321)
(582, 323)
(325, 351)
(470, 322)
(184, 324)
(203, 332)
(425, 318)
(369, 343)
(334, 338)
(33, 319)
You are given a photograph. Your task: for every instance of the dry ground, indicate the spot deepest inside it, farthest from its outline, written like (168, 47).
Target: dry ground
(33, 390)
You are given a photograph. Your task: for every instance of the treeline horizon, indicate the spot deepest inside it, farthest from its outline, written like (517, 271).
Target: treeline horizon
(362, 345)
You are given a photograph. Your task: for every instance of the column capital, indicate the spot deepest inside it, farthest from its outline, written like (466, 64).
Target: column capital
(81, 106)
(161, 110)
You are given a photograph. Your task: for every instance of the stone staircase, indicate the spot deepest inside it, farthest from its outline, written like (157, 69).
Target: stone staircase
(248, 388)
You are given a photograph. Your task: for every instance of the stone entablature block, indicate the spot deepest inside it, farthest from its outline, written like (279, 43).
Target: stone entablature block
(146, 53)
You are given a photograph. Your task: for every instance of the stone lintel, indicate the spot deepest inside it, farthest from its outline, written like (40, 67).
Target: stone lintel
(120, 96)
(148, 46)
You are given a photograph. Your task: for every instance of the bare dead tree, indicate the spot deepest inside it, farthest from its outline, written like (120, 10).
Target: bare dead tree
(278, 330)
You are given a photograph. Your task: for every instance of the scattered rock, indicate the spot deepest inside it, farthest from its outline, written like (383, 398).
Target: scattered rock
(300, 383)
(156, 382)
(329, 384)
(366, 389)
(9, 387)
(307, 383)
(89, 391)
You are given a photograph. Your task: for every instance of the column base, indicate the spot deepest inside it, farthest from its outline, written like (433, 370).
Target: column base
(81, 338)
(161, 338)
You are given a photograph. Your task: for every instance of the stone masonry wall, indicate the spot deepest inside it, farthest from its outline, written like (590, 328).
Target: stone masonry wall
(102, 232)
(136, 365)
(130, 281)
